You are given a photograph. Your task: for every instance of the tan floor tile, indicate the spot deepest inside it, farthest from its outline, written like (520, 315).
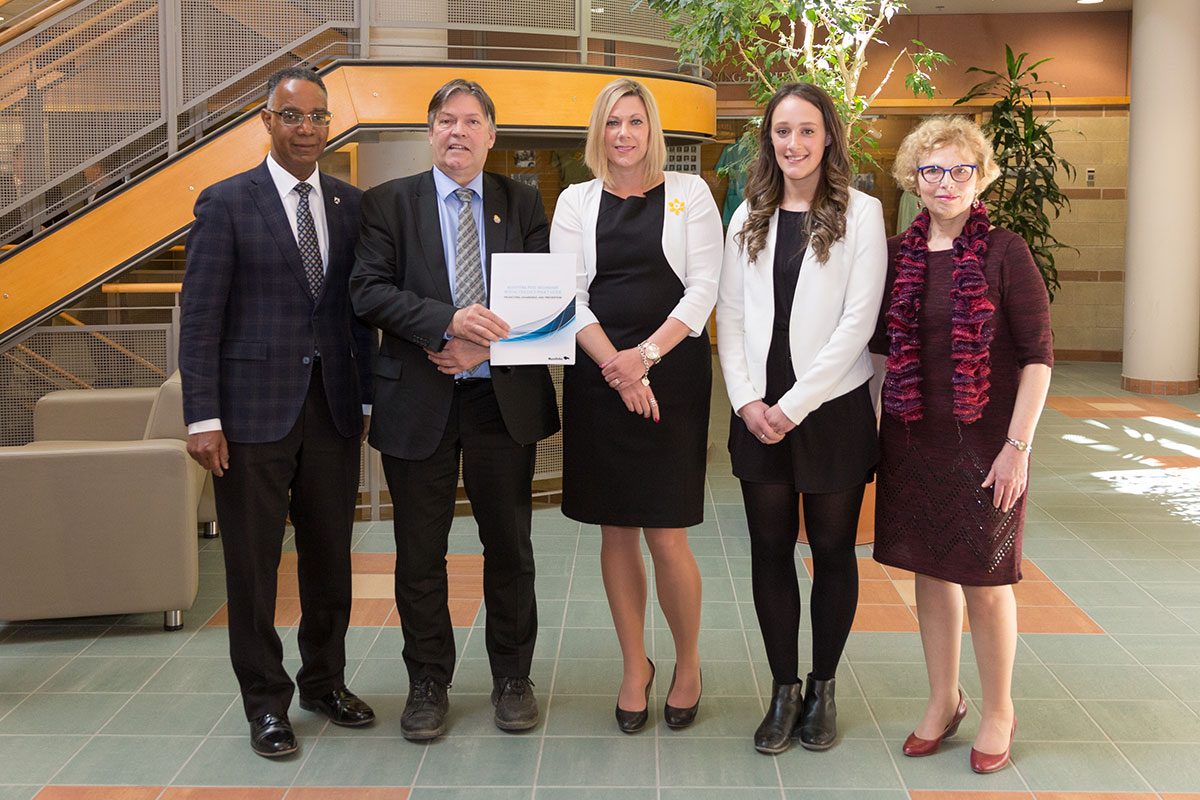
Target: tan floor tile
(363, 793)
(371, 612)
(372, 585)
(878, 592)
(223, 793)
(463, 611)
(373, 563)
(98, 793)
(1124, 407)
(1055, 619)
(1031, 572)
(884, 618)
(940, 795)
(1097, 796)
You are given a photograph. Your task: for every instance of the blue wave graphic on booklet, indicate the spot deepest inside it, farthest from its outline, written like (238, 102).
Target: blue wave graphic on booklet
(541, 328)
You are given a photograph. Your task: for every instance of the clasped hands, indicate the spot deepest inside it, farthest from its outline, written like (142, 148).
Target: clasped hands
(472, 331)
(768, 423)
(623, 372)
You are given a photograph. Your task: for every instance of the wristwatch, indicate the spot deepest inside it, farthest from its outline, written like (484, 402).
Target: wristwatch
(650, 354)
(1022, 447)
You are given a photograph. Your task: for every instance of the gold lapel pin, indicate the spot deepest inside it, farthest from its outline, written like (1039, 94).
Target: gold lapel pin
(495, 217)
(337, 200)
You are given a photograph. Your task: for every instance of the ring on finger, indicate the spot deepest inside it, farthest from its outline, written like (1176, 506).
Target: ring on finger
(653, 402)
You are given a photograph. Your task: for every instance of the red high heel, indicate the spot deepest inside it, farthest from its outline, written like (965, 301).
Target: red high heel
(983, 763)
(915, 746)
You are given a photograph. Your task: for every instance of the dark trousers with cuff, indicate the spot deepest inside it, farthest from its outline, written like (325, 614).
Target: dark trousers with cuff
(312, 475)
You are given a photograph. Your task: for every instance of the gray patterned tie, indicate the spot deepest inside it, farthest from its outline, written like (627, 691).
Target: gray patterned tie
(468, 274)
(310, 250)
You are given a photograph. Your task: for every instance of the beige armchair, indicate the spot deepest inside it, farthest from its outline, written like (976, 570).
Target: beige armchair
(96, 527)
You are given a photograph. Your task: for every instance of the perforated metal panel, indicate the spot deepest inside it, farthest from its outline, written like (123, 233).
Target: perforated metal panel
(549, 451)
(224, 39)
(95, 357)
(615, 17)
(542, 16)
(71, 93)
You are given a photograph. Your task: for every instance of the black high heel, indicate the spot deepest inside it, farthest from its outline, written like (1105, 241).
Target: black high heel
(677, 718)
(634, 721)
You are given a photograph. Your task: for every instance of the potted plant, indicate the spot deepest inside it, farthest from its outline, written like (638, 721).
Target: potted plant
(1027, 193)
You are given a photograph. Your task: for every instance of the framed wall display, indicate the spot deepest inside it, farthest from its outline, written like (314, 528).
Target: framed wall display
(684, 158)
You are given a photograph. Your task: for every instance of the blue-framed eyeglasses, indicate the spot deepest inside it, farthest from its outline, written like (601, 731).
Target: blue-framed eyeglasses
(959, 173)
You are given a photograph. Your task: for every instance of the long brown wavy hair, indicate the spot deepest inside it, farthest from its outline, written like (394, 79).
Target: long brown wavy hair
(764, 189)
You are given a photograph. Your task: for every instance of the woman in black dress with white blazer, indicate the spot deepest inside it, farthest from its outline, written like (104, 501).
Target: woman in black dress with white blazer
(805, 264)
(636, 402)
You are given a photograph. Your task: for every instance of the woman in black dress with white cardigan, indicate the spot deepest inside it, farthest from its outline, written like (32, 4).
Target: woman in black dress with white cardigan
(805, 264)
(636, 403)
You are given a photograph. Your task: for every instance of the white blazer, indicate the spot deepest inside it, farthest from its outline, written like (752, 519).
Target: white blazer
(833, 312)
(691, 241)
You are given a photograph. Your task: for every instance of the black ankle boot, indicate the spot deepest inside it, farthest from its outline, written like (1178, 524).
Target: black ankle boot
(818, 717)
(774, 735)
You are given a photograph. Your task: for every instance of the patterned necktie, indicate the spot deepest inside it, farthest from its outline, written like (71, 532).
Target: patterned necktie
(468, 274)
(310, 250)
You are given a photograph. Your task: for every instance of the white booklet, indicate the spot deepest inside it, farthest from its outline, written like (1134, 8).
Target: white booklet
(535, 294)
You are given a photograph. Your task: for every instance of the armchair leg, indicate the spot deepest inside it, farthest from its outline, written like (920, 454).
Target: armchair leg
(209, 530)
(172, 620)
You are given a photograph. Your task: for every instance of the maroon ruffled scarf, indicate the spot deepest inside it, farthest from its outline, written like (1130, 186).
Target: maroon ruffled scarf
(970, 332)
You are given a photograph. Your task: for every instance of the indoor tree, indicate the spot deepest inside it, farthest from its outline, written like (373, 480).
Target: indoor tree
(1025, 195)
(767, 43)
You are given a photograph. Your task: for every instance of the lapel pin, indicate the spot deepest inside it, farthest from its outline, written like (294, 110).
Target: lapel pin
(495, 217)
(337, 201)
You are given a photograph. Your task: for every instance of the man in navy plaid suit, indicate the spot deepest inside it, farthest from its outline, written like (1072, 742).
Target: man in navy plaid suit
(276, 378)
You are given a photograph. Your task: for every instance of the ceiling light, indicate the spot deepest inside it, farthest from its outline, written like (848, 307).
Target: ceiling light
(1088, 2)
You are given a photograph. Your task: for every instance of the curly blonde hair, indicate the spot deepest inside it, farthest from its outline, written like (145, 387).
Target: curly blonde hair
(944, 131)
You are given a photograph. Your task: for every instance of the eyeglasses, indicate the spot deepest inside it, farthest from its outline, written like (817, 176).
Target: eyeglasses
(960, 173)
(319, 119)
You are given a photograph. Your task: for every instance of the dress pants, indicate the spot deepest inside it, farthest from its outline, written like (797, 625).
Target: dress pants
(497, 473)
(311, 474)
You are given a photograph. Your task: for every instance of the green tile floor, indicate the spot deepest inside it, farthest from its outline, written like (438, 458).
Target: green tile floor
(118, 701)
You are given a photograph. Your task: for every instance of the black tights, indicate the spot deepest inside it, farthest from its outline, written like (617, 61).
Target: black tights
(831, 521)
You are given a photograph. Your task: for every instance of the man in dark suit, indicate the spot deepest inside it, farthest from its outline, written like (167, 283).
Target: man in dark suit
(421, 276)
(276, 372)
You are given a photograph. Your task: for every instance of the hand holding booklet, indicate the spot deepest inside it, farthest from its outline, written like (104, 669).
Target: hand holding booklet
(535, 294)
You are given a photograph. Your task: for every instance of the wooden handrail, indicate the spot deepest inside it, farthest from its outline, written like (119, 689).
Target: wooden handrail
(100, 337)
(142, 288)
(33, 21)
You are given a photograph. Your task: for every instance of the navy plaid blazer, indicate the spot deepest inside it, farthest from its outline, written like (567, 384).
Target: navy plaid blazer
(250, 326)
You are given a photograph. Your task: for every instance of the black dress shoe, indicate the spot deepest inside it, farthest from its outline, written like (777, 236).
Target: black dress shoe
(271, 736)
(516, 707)
(634, 721)
(424, 716)
(774, 734)
(342, 707)
(818, 715)
(677, 718)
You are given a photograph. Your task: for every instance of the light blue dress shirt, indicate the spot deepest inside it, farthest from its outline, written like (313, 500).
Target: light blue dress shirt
(448, 210)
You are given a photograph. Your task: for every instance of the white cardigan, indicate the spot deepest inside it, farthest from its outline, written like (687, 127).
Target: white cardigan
(691, 241)
(833, 312)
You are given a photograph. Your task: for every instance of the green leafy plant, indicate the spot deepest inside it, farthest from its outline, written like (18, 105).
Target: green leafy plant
(768, 43)
(1027, 193)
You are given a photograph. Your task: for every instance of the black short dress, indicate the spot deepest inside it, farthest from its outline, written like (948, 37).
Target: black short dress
(620, 468)
(835, 447)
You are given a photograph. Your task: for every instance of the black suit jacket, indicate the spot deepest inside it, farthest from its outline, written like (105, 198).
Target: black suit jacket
(250, 326)
(400, 285)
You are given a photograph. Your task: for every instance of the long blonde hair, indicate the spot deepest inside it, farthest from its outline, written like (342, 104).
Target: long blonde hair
(594, 154)
(764, 189)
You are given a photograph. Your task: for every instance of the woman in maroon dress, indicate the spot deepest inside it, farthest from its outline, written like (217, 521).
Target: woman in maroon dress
(966, 328)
